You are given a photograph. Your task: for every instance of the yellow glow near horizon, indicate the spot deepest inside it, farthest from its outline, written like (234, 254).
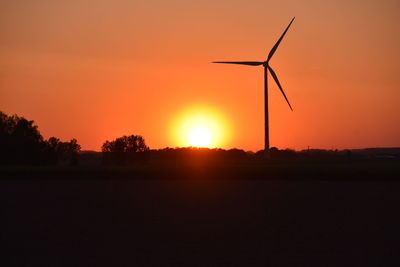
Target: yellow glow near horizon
(200, 127)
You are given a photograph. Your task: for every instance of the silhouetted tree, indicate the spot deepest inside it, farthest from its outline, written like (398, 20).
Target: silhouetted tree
(63, 151)
(20, 140)
(124, 149)
(22, 143)
(132, 143)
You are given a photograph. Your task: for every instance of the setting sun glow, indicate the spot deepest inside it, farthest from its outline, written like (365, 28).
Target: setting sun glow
(200, 138)
(200, 127)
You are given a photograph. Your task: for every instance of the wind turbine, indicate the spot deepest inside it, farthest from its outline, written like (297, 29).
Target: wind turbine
(267, 68)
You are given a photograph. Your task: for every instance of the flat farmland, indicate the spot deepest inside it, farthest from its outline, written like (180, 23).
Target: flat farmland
(199, 222)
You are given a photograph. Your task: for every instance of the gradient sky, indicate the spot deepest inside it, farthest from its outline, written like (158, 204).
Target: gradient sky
(96, 70)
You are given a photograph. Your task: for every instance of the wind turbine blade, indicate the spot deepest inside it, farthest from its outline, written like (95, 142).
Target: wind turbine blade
(271, 53)
(249, 63)
(279, 85)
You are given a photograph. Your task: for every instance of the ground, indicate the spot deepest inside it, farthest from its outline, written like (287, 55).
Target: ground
(199, 222)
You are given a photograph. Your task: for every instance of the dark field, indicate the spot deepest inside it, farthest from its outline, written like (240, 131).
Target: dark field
(201, 218)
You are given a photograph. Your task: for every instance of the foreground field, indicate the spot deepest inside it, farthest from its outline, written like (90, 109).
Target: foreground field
(199, 222)
(296, 170)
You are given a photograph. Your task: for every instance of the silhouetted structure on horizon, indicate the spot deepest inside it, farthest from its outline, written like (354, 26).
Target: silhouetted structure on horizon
(267, 68)
(21, 143)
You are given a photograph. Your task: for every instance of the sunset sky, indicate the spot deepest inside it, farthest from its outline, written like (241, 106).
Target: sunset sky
(96, 70)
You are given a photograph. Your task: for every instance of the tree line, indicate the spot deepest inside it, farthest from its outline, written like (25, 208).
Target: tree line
(22, 143)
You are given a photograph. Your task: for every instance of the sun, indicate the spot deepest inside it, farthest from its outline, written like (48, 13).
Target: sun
(200, 138)
(200, 127)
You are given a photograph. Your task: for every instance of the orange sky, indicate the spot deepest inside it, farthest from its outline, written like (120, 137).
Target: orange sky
(96, 70)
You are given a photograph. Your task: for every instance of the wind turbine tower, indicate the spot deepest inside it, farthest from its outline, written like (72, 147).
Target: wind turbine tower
(267, 68)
